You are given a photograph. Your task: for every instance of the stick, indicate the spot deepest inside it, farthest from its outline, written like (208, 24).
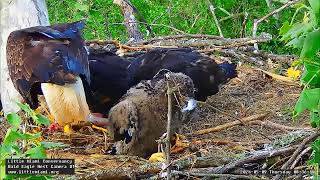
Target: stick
(212, 9)
(305, 151)
(203, 174)
(256, 22)
(260, 156)
(155, 24)
(278, 126)
(169, 116)
(244, 23)
(297, 152)
(230, 124)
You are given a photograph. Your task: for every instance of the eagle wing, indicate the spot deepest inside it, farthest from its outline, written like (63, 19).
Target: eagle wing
(46, 54)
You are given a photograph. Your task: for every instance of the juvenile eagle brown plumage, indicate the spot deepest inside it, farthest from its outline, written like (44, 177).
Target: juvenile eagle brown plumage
(140, 118)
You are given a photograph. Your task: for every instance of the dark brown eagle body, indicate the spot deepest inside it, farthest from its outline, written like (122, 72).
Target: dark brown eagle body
(110, 79)
(141, 117)
(46, 54)
(206, 74)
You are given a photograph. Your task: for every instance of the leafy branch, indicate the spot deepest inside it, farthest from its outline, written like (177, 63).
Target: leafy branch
(18, 143)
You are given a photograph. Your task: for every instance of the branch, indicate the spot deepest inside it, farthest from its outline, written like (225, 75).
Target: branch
(297, 152)
(129, 20)
(278, 126)
(212, 9)
(194, 172)
(169, 116)
(258, 156)
(155, 24)
(305, 151)
(256, 22)
(230, 124)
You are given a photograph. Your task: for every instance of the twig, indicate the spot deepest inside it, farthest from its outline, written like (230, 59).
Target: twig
(297, 152)
(278, 126)
(155, 24)
(244, 23)
(231, 16)
(230, 124)
(103, 42)
(212, 9)
(224, 176)
(256, 22)
(169, 116)
(305, 151)
(262, 155)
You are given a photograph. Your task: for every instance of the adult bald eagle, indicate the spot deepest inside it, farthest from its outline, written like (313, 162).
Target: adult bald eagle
(53, 61)
(206, 74)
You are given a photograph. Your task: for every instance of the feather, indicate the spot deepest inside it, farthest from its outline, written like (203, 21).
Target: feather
(109, 81)
(138, 120)
(66, 103)
(206, 74)
(46, 54)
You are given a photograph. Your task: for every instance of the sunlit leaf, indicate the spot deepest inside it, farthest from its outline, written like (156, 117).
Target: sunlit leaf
(285, 28)
(36, 152)
(311, 75)
(314, 119)
(14, 119)
(309, 99)
(41, 119)
(315, 5)
(28, 136)
(12, 136)
(311, 45)
(81, 7)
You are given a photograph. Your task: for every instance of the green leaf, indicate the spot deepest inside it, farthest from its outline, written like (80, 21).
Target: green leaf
(285, 28)
(311, 45)
(311, 75)
(14, 119)
(296, 42)
(2, 170)
(309, 99)
(81, 7)
(315, 119)
(12, 136)
(41, 119)
(316, 152)
(36, 152)
(26, 108)
(52, 145)
(17, 149)
(315, 5)
(28, 136)
(5, 151)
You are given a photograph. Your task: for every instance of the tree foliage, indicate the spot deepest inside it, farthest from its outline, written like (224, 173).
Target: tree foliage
(304, 35)
(104, 19)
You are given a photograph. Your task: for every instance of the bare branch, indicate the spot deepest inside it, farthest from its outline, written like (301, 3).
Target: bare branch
(212, 9)
(129, 20)
(297, 152)
(256, 22)
(169, 116)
